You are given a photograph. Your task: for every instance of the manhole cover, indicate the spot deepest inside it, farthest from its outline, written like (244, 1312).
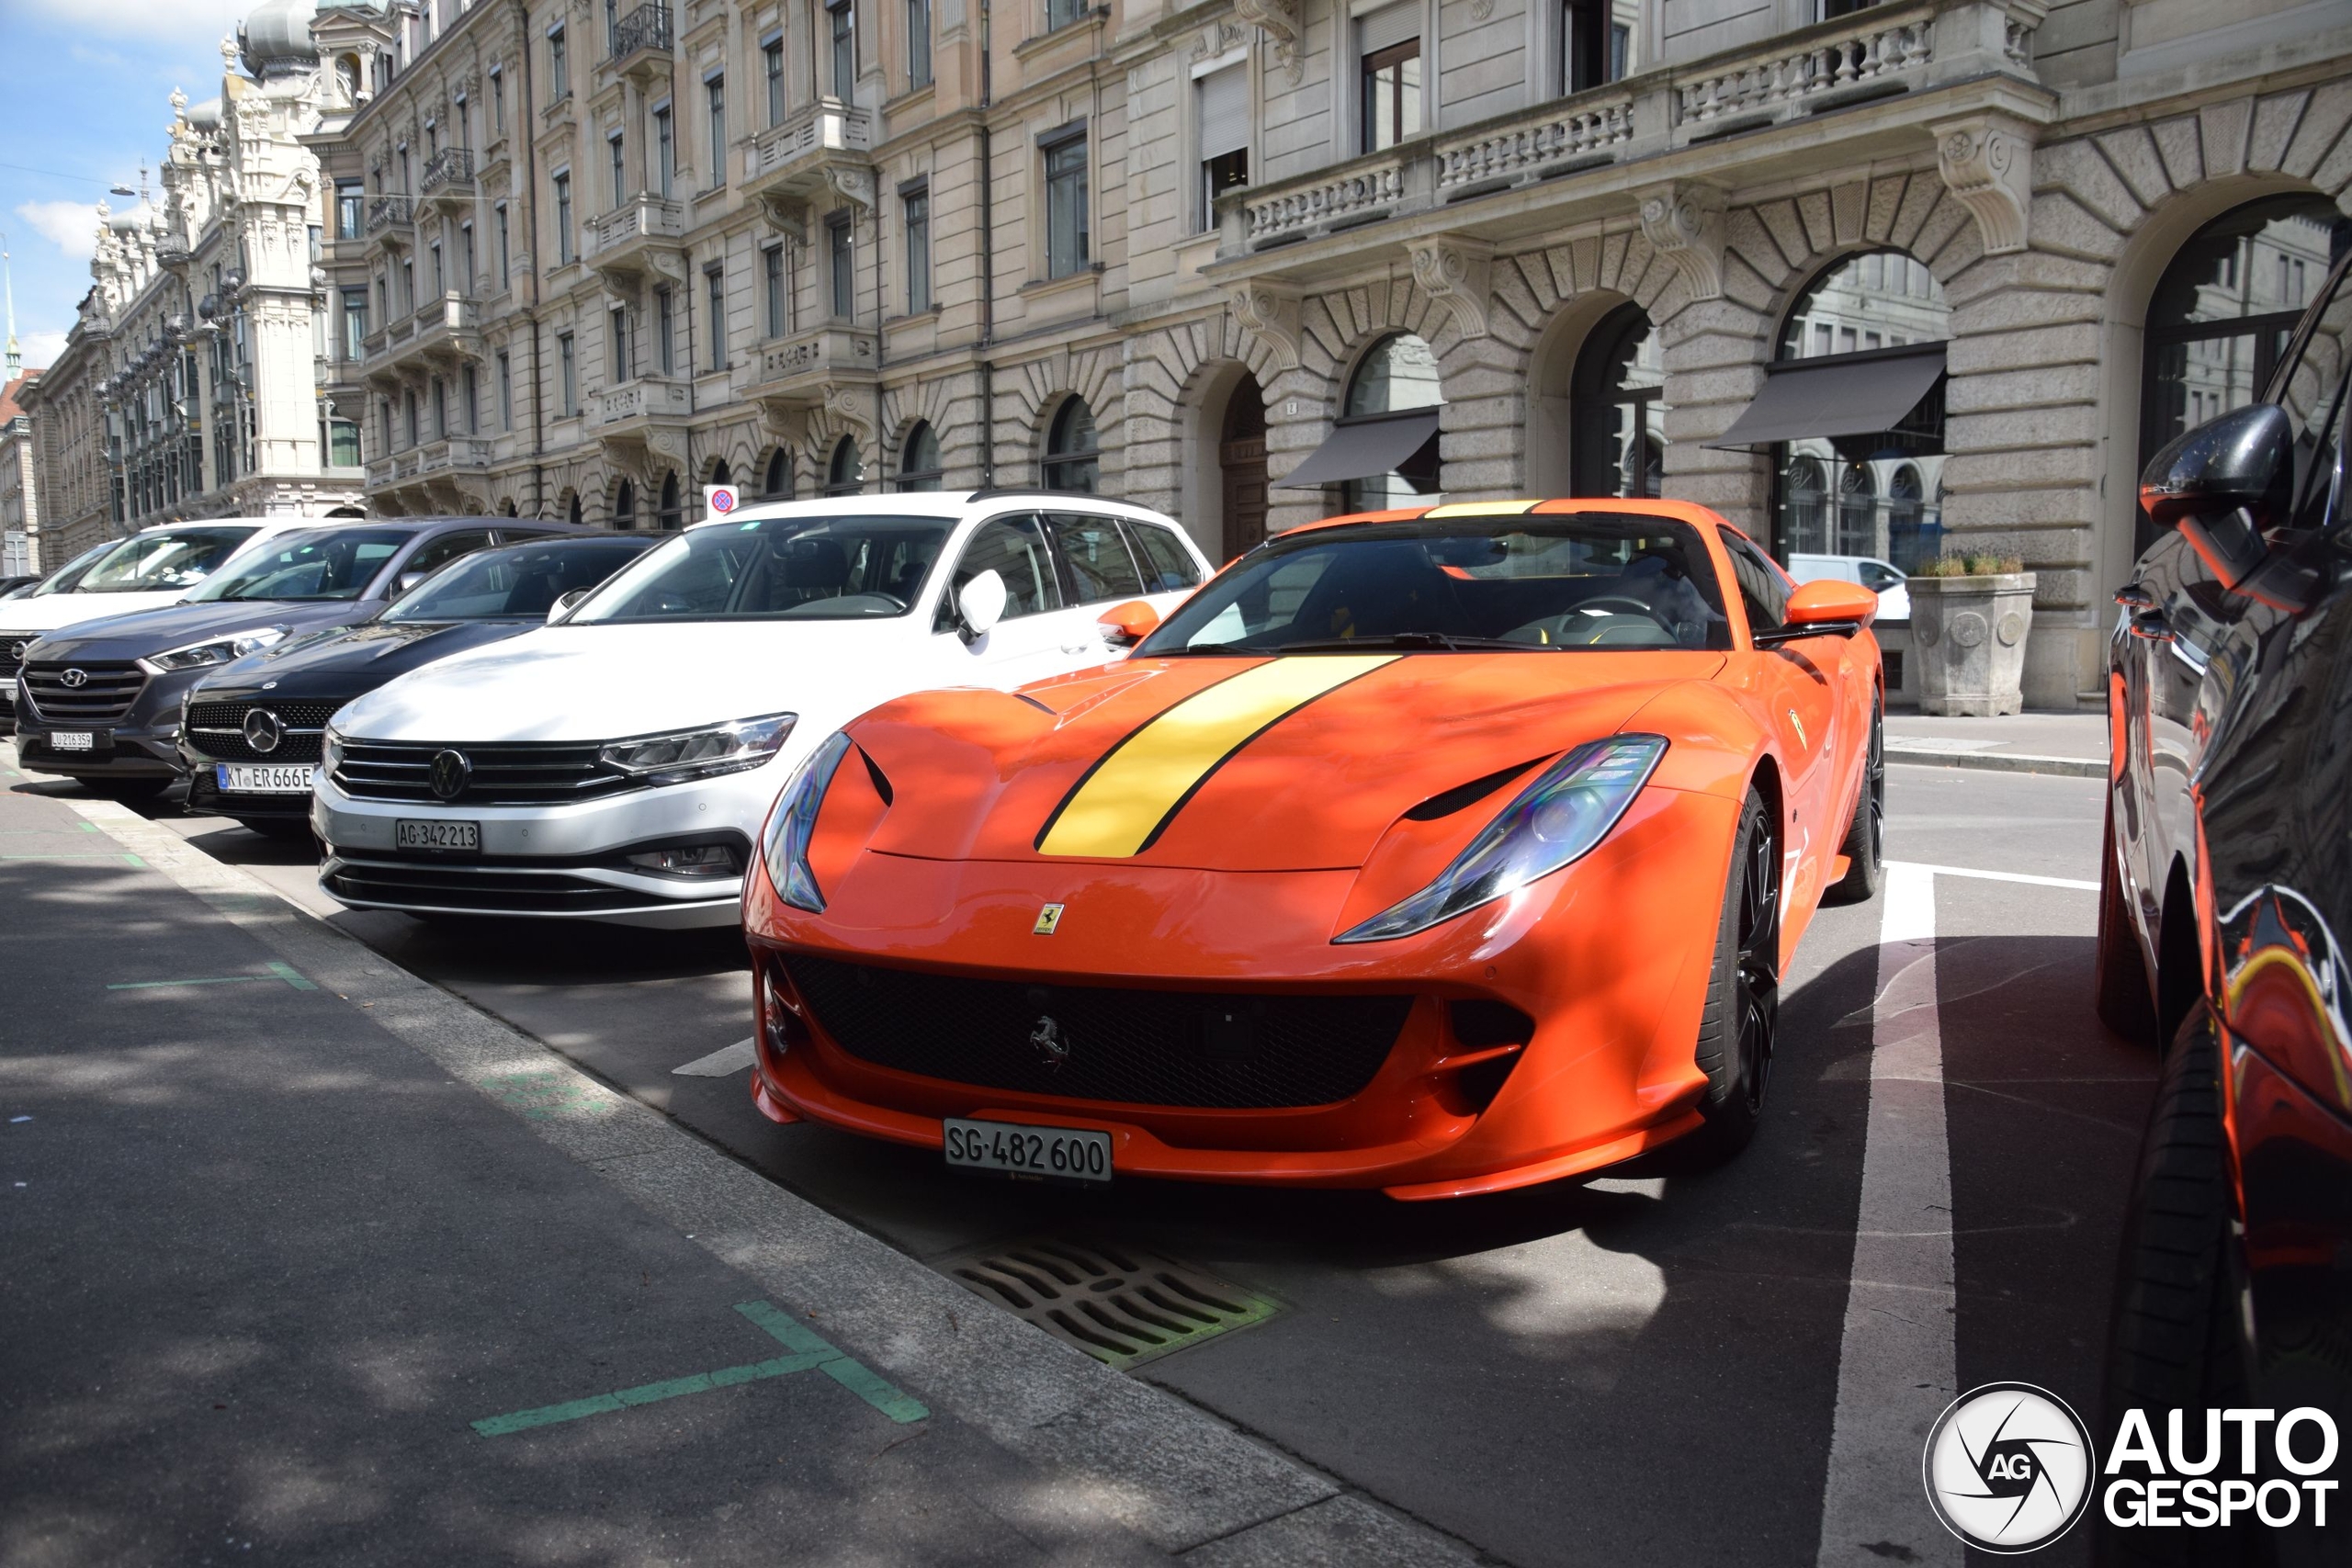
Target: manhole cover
(1119, 1304)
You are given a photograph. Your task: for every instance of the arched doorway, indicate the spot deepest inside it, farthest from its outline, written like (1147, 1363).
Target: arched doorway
(846, 471)
(1071, 460)
(778, 479)
(1241, 466)
(919, 465)
(1383, 449)
(1617, 439)
(673, 515)
(571, 512)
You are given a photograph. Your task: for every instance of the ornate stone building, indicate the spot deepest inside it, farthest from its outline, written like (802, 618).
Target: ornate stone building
(1871, 279)
(189, 386)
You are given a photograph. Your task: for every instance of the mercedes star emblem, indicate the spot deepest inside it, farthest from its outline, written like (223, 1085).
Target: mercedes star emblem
(263, 731)
(450, 772)
(1052, 1045)
(75, 677)
(17, 650)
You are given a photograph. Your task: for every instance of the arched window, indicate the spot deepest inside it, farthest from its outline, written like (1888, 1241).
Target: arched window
(1864, 346)
(672, 516)
(1383, 452)
(571, 511)
(1618, 441)
(513, 510)
(778, 486)
(1071, 460)
(919, 468)
(847, 471)
(721, 473)
(625, 505)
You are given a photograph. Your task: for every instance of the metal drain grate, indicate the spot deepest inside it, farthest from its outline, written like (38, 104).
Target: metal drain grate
(1120, 1304)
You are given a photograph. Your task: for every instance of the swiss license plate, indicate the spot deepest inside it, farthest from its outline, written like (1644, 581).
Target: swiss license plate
(1060, 1154)
(72, 740)
(413, 835)
(278, 778)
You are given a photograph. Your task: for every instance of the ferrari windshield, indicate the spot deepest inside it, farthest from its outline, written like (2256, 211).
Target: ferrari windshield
(856, 566)
(1606, 580)
(521, 582)
(328, 564)
(166, 560)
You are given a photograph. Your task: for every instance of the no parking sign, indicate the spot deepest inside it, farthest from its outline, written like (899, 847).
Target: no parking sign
(717, 501)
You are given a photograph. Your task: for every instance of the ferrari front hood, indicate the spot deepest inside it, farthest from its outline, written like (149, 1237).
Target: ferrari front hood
(1292, 763)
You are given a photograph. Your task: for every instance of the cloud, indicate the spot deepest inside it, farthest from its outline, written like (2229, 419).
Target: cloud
(42, 349)
(71, 226)
(141, 23)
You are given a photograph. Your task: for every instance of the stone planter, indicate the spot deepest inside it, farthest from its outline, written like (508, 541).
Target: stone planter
(1968, 639)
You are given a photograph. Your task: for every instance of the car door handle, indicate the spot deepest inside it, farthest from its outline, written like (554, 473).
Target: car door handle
(2152, 625)
(2131, 596)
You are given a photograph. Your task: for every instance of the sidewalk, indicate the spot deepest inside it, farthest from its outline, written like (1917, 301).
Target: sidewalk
(2067, 743)
(310, 1262)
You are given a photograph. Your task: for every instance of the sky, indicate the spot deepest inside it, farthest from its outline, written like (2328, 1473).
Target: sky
(90, 84)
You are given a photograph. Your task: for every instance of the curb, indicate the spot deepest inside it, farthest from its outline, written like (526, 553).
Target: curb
(1121, 1455)
(2001, 761)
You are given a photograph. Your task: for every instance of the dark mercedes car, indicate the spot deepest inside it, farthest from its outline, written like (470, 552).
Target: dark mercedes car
(250, 734)
(2226, 912)
(99, 701)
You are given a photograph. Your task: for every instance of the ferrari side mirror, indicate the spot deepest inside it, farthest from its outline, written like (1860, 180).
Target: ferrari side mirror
(2222, 485)
(1823, 608)
(1123, 625)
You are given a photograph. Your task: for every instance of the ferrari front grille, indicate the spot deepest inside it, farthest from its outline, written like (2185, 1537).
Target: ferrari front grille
(1212, 1049)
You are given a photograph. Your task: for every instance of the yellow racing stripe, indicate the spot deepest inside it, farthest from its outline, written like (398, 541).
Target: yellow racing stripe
(1121, 804)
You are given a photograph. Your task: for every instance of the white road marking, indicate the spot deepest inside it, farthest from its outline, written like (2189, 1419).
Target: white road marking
(718, 1064)
(1896, 1366)
(2077, 884)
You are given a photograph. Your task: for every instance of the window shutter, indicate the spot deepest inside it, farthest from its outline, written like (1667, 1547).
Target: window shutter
(1224, 111)
(1389, 25)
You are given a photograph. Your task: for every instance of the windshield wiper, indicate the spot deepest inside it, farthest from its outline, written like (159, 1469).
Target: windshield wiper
(1411, 639)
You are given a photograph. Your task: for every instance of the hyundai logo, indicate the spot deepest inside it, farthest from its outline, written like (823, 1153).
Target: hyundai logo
(75, 677)
(450, 772)
(1051, 1044)
(263, 731)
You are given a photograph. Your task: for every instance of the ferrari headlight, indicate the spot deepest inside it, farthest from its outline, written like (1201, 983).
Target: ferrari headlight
(794, 823)
(685, 754)
(1557, 820)
(214, 650)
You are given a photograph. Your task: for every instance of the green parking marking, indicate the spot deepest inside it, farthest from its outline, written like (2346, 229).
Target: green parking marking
(79, 826)
(125, 856)
(811, 1351)
(285, 971)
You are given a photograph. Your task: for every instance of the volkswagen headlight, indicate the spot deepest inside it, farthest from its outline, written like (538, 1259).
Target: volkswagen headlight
(214, 650)
(683, 754)
(330, 749)
(793, 824)
(1557, 820)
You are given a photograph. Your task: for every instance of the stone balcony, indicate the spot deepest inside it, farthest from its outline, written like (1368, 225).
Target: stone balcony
(825, 146)
(1539, 164)
(448, 182)
(391, 221)
(648, 412)
(646, 233)
(802, 370)
(641, 43)
(437, 334)
(466, 451)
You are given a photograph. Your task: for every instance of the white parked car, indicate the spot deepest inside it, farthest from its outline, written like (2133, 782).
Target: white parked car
(152, 567)
(616, 764)
(1882, 578)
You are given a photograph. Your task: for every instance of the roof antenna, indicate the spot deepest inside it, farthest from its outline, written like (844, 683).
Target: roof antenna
(9, 278)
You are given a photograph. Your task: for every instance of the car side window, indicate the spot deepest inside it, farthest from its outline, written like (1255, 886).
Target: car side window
(1761, 587)
(1100, 567)
(1014, 549)
(1168, 564)
(2319, 461)
(1878, 579)
(435, 554)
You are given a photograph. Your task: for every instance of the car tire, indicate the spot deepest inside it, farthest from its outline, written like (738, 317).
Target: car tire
(1735, 1047)
(2122, 993)
(1865, 845)
(2172, 1334)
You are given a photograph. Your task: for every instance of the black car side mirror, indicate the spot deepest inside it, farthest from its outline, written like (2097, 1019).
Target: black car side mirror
(2222, 485)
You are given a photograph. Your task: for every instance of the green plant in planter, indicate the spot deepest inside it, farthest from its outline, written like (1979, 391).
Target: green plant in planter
(1977, 565)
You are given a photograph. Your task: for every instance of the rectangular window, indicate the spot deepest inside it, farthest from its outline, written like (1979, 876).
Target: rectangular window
(461, 109)
(1391, 95)
(1062, 13)
(440, 272)
(559, 66)
(440, 410)
(665, 152)
(1221, 116)
(1821, 338)
(842, 249)
(715, 87)
(665, 339)
(917, 217)
(714, 282)
(563, 218)
(772, 272)
(505, 249)
(617, 339)
(619, 171)
(350, 204)
(498, 100)
(844, 22)
(1066, 233)
(505, 392)
(414, 431)
(342, 443)
(1846, 339)
(918, 42)
(567, 377)
(469, 398)
(408, 286)
(771, 70)
(355, 325)
(464, 258)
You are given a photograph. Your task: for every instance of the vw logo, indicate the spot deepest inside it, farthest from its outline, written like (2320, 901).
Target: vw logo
(2008, 1467)
(75, 677)
(450, 772)
(263, 731)
(1050, 1044)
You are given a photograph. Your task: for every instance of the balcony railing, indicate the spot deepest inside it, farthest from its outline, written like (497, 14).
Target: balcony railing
(797, 371)
(449, 167)
(649, 397)
(453, 452)
(391, 212)
(801, 145)
(641, 217)
(646, 27)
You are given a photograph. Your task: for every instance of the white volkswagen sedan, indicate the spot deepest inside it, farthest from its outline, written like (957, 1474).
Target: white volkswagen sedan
(616, 764)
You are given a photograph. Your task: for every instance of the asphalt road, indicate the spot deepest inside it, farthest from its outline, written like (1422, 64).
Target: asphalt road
(1643, 1367)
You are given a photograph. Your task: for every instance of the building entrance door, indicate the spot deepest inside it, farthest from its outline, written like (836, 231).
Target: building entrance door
(1242, 460)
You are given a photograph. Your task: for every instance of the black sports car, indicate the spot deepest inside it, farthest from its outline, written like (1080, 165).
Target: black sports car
(2225, 915)
(249, 733)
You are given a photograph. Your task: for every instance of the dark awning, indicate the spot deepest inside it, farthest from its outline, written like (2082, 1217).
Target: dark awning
(1369, 447)
(1843, 395)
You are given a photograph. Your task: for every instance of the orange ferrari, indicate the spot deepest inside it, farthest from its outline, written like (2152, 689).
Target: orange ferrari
(1442, 850)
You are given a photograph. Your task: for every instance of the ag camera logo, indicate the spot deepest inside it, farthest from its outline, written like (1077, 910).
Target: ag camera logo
(2008, 1467)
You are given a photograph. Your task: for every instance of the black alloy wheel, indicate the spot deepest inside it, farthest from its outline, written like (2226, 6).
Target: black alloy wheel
(1737, 1027)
